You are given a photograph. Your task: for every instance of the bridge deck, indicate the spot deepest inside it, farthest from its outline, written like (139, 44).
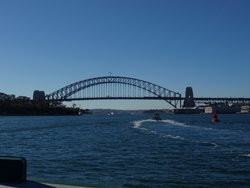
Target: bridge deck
(196, 99)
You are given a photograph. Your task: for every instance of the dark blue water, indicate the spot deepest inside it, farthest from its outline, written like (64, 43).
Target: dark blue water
(132, 150)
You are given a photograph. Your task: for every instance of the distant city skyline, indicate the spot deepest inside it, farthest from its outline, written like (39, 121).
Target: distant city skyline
(46, 45)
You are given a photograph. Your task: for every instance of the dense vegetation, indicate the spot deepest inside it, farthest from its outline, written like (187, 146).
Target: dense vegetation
(10, 105)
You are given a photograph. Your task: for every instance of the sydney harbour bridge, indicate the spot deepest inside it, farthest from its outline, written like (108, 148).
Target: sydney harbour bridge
(118, 87)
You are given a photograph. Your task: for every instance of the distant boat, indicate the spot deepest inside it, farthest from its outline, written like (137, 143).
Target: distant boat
(156, 117)
(111, 113)
(86, 111)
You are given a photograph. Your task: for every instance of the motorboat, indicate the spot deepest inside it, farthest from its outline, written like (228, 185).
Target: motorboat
(156, 117)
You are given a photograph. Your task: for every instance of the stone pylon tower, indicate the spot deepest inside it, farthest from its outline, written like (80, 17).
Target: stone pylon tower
(39, 95)
(189, 98)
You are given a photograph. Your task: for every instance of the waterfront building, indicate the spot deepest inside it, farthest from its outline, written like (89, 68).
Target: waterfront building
(195, 110)
(245, 109)
(222, 109)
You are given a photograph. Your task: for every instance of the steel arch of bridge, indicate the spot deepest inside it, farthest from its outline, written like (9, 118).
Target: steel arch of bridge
(65, 93)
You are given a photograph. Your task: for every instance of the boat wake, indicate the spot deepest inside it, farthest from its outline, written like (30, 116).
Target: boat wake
(163, 131)
(244, 155)
(138, 125)
(208, 144)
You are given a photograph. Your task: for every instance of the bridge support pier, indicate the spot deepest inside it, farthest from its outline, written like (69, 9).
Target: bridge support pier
(189, 98)
(39, 95)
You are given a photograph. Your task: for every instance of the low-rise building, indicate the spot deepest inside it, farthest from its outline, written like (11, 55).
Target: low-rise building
(222, 109)
(245, 109)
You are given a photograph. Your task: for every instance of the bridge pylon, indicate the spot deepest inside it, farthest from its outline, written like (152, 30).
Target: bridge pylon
(189, 98)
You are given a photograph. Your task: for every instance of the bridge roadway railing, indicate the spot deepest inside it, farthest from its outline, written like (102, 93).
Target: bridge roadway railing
(119, 98)
(225, 100)
(197, 100)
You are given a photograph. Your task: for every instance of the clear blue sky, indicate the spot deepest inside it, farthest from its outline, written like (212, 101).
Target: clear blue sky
(48, 44)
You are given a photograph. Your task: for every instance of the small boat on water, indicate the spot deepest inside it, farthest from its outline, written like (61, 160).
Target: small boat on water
(156, 116)
(111, 113)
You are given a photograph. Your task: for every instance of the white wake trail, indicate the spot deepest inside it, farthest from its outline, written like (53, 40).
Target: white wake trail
(138, 125)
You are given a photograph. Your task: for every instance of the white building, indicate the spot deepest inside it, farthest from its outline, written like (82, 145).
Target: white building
(245, 109)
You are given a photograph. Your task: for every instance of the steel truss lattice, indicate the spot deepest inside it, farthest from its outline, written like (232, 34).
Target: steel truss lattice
(114, 87)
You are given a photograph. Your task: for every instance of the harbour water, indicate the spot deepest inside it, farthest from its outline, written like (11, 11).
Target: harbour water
(132, 150)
